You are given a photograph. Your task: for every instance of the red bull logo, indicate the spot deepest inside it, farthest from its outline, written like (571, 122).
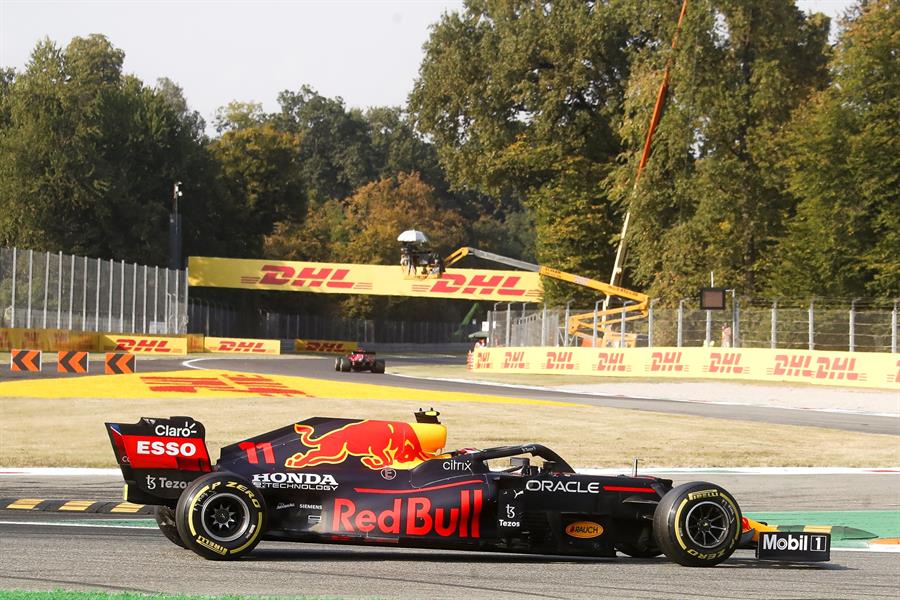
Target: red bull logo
(414, 516)
(379, 444)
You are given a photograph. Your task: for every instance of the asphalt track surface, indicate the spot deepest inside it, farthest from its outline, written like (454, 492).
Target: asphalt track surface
(40, 551)
(323, 368)
(44, 550)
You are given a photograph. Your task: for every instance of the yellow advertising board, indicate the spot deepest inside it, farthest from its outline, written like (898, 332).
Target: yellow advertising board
(241, 346)
(856, 369)
(379, 280)
(325, 346)
(143, 344)
(50, 340)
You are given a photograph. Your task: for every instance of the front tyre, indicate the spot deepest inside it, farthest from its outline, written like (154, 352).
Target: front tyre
(165, 520)
(697, 524)
(220, 516)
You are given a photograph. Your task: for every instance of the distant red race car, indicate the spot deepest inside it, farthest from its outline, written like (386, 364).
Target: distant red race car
(359, 360)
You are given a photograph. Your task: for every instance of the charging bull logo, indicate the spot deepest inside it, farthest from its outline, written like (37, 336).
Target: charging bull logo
(379, 444)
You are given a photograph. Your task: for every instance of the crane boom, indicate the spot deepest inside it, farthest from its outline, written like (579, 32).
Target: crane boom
(580, 322)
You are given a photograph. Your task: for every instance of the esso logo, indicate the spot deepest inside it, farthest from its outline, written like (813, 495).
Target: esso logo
(186, 449)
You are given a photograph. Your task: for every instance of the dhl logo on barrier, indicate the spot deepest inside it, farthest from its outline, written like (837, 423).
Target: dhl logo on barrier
(344, 278)
(803, 366)
(241, 346)
(328, 346)
(139, 344)
(860, 369)
(611, 362)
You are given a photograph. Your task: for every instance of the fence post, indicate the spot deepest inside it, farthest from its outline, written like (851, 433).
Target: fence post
(122, 298)
(544, 326)
(46, 286)
(144, 304)
(155, 296)
(12, 317)
(508, 322)
(59, 293)
(176, 305)
(133, 295)
(736, 328)
(774, 341)
(112, 273)
(30, 273)
(852, 341)
(166, 303)
(680, 336)
(97, 298)
(84, 295)
(708, 329)
(566, 325)
(894, 329)
(622, 327)
(596, 308)
(812, 340)
(650, 323)
(71, 290)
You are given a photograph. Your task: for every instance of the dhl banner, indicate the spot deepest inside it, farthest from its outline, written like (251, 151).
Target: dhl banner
(143, 344)
(857, 369)
(241, 346)
(50, 340)
(324, 346)
(379, 280)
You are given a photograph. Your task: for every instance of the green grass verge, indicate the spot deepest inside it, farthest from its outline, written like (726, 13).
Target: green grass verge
(67, 595)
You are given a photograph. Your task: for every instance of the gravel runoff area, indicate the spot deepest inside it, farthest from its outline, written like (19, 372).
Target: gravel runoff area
(775, 395)
(884, 402)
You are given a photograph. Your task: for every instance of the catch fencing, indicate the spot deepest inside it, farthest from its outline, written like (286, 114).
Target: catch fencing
(55, 290)
(217, 319)
(748, 323)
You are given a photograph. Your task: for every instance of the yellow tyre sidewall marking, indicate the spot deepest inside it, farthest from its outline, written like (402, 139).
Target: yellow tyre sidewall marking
(247, 493)
(681, 507)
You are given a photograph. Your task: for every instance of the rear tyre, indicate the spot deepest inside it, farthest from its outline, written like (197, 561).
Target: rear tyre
(697, 524)
(220, 516)
(337, 364)
(378, 367)
(165, 520)
(345, 365)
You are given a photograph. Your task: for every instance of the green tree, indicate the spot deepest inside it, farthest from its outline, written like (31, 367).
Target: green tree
(843, 165)
(712, 196)
(521, 100)
(261, 167)
(88, 156)
(336, 154)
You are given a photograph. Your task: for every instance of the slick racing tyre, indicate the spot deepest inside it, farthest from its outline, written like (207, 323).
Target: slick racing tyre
(220, 516)
(378, 367)
(165, 520)
(337, 364)
(697, 524)
(345, 365)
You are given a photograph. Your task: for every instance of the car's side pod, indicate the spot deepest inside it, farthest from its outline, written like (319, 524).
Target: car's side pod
(159, 457)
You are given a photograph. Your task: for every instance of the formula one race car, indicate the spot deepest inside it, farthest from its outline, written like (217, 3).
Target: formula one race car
(359, 360)
(387, 482)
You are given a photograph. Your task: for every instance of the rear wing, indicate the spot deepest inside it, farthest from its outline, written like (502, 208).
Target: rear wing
(159, 457)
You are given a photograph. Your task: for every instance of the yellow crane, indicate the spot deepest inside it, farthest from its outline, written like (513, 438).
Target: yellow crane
(580, 325)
